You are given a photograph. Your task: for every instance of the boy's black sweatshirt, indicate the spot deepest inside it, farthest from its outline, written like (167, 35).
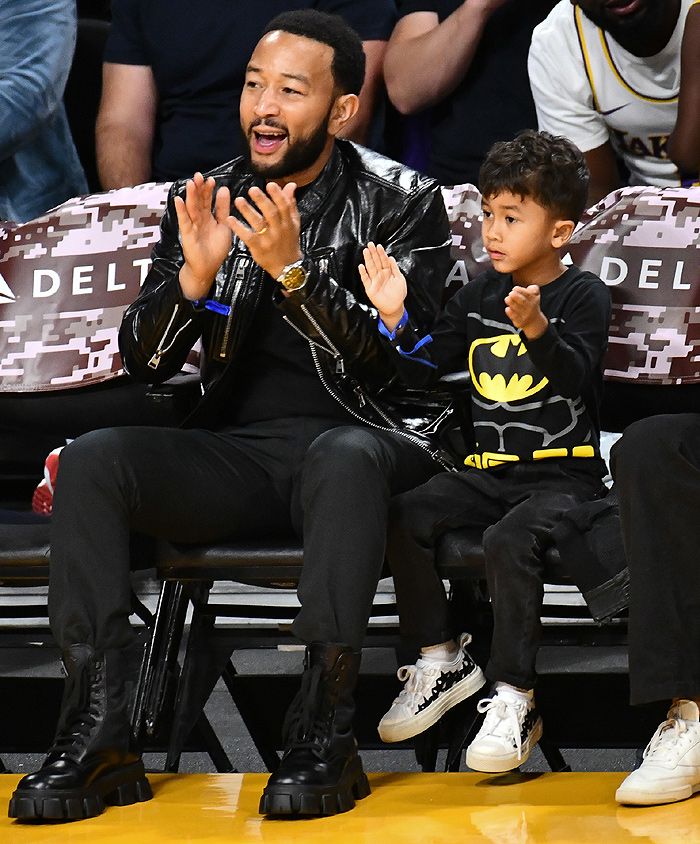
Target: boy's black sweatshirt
(530, 399)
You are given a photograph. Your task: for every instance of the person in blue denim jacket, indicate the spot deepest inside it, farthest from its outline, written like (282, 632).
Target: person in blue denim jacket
(39, 165)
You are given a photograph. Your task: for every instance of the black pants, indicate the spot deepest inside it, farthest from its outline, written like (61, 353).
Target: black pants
(518, 505)
(656, 466)
(331, 485)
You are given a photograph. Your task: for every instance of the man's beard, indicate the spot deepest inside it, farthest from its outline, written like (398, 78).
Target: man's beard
(300, 155)
(622, 29)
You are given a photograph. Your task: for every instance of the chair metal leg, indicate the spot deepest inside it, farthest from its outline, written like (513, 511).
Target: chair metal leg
(205, 659)
(461, 733)
(141, 610)
(250, 718)
(204, 730)
(553, 756)
(426, 748)
(160, 668)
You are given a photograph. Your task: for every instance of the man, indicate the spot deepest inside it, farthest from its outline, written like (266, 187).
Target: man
(606, 75)
(298, 427)
(172, 81)
(477, 54)
(39, 166)
(656, 465)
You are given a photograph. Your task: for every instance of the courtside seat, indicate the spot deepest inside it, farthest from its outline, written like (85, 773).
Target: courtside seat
(24, 555)
(258, 563)
(460, 556)
(170, 700)
(24, 562)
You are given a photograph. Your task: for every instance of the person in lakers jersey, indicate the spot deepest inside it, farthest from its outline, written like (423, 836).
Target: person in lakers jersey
(621, 79)
(532, 334)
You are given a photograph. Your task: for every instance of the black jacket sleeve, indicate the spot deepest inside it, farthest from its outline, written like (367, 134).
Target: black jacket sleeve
(328, 311)
(572, 347)
(422, 357)
(161, 326)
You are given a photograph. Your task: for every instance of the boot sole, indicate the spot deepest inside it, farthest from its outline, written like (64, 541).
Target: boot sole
(289, 799)
(432, 714)
(502, 764)
(117, 788)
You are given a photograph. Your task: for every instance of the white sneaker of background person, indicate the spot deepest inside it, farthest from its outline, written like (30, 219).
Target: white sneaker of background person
(670, 768)
(512, 727)
(443, 676)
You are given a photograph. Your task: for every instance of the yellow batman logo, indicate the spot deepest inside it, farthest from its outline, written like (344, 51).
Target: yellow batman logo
(510, 378)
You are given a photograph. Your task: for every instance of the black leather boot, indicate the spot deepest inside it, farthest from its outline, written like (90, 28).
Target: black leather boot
(321, 771)
(92, 761)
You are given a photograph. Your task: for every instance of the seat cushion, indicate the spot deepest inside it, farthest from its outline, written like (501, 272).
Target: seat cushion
(24, 553)
(460, 556)
(272, 562)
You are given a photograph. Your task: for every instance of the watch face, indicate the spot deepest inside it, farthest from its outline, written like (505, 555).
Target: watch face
(294, 278)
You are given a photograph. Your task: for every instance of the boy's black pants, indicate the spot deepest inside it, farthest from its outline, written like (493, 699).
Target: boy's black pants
(516, 506)
(332, 484)
(656, 465)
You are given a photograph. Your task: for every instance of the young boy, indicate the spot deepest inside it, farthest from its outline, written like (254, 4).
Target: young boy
(532, 334)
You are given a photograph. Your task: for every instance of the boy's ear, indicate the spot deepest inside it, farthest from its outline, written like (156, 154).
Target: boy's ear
(561, 232)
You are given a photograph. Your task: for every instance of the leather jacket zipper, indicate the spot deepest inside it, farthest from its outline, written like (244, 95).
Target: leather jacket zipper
(391, 427)
(154, 362)
(340, 365)
(238, 277)
(336, 354)
(362, 397)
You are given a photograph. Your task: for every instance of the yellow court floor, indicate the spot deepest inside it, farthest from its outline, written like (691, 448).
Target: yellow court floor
(406, 808)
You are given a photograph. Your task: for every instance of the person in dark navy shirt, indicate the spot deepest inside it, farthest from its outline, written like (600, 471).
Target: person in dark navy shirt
(477, 91)
(173, 76)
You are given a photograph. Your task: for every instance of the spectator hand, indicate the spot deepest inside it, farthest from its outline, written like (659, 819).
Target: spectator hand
(385, 284)
(523, 310)
(205, 235)
(272, 233)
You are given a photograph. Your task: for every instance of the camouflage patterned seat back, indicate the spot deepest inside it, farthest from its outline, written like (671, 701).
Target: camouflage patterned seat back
(65, 279)
(645, 245)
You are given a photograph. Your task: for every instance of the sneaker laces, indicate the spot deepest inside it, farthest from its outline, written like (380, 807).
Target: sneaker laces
(417, 680)
(504, 718)
(663, 745)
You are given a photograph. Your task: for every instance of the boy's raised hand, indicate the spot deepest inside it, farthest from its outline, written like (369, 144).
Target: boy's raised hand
(523, 310)
(385, 284)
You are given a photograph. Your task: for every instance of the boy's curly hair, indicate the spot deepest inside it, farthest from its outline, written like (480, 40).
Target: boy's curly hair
(548, 168)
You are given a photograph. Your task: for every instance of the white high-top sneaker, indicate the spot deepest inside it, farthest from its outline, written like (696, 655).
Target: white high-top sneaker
(431, 688)
(670, 769)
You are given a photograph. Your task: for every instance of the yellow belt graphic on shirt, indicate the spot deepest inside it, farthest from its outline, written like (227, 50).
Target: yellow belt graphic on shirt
(501, 369)
(491, 459)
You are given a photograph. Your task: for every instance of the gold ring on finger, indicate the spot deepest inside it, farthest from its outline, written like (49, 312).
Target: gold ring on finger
(262, 230)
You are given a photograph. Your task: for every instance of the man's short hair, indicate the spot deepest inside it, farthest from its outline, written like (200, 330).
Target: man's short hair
(348, 66)
(548, 168)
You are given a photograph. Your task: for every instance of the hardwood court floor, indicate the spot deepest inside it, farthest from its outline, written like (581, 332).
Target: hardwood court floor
(407, 808)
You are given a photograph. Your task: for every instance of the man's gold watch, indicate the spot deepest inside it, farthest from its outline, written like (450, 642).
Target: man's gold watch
(293, 276)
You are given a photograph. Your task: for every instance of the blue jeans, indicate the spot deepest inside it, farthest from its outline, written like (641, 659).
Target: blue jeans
(39, 166)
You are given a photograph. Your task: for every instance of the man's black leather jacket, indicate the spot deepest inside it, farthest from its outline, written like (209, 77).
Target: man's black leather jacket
(360, 196)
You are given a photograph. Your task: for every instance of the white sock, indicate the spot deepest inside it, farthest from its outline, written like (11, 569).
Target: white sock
(506, 690)
(444, 652)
